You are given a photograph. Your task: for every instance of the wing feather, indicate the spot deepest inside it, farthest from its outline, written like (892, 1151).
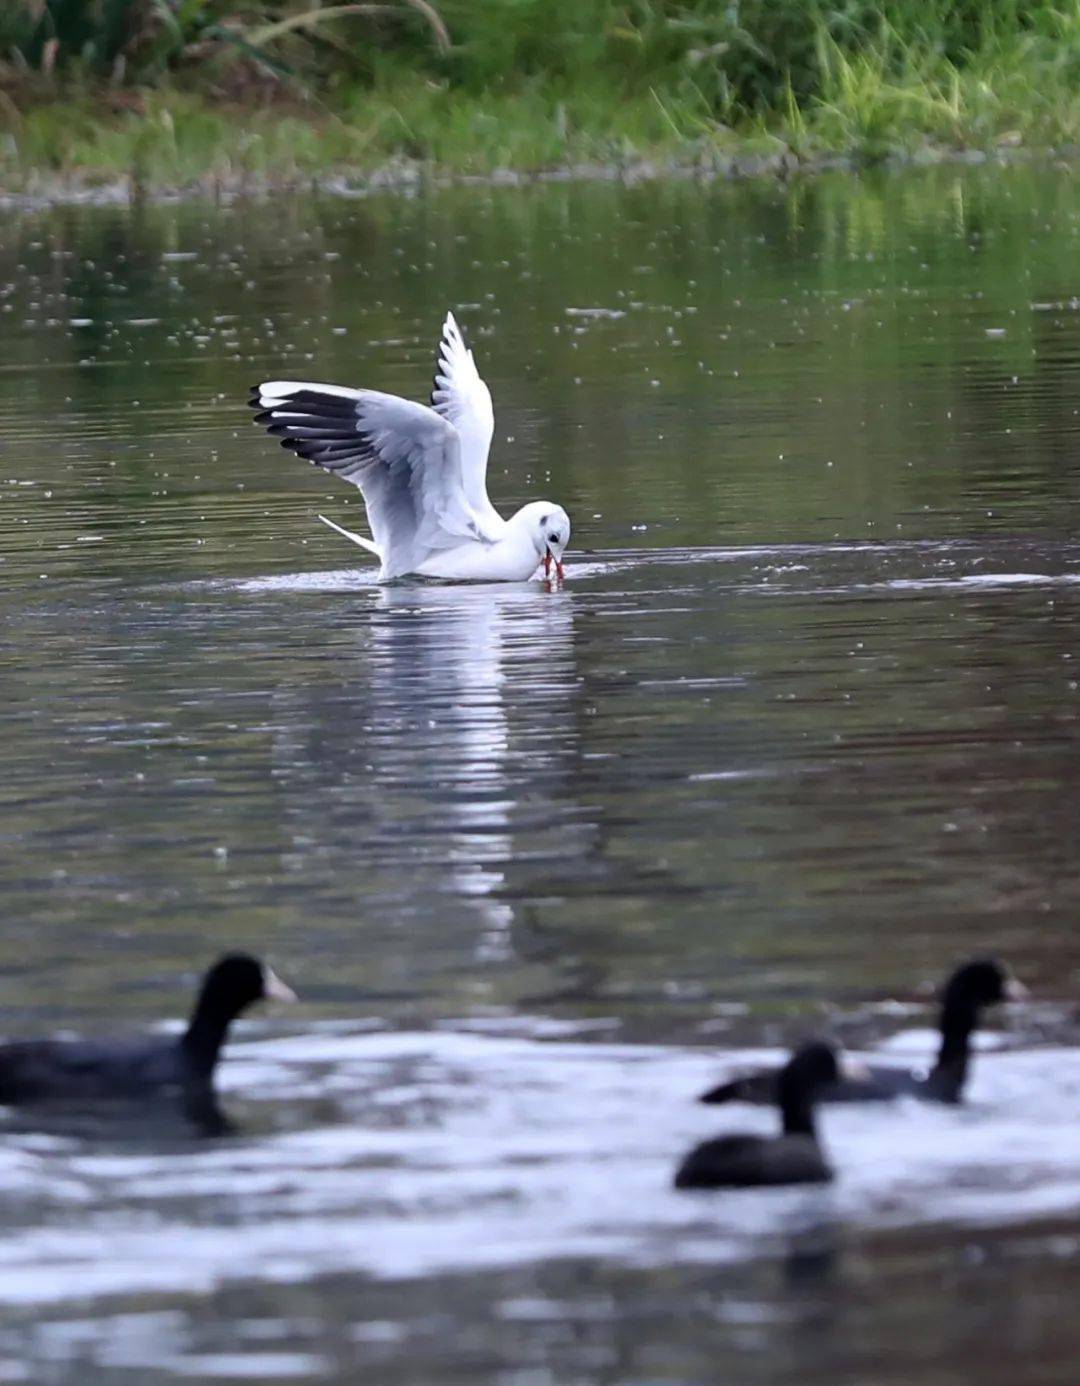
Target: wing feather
(460, 395)
(404, 457)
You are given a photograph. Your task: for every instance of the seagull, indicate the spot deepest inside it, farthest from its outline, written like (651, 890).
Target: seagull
(421, 470)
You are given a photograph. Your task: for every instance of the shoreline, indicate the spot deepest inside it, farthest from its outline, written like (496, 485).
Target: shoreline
(224, 106)
(416, 176)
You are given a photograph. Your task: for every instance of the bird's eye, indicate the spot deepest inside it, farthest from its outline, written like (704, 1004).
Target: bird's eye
(553, 537)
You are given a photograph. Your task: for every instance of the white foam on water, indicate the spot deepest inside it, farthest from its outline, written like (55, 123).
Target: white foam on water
(460, 1150)
(600, 563)
(335, 580)
(979, 580)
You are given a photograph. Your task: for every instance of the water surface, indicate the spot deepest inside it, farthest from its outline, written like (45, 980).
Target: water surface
(798, 731)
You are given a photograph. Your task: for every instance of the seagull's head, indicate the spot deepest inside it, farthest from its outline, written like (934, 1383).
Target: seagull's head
(549, 526)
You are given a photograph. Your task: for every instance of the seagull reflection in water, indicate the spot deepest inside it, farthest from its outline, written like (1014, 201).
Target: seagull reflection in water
(481, 682)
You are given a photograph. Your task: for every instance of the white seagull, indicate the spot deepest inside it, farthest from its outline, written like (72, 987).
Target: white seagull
(421, 471)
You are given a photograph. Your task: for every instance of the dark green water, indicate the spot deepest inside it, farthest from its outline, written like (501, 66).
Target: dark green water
(800, 729)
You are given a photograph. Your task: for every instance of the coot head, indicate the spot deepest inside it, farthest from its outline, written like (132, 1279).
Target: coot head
(982, 982)
(237, 981)
(812, 1066)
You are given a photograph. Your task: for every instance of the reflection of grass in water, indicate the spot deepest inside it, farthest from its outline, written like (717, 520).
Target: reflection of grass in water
(529, 86)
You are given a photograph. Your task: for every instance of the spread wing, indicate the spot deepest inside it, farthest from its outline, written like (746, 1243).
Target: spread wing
(405, 458)
(458, 394)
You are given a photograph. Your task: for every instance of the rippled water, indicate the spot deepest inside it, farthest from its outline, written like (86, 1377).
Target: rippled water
(799, 730)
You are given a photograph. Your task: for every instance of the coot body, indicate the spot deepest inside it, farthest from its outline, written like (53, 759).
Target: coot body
(34, 1071)
(969, 990)
(793, 1157)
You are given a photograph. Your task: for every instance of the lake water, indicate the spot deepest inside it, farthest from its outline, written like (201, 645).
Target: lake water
(799, 731)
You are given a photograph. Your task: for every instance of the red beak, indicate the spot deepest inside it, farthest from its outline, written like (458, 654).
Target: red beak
(550, 558)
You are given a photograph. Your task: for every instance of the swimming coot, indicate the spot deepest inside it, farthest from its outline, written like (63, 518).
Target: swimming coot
(793, 1157)
(79, 1070)
(983, 982)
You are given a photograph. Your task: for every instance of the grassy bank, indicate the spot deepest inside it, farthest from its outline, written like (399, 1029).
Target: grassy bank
(168, 92)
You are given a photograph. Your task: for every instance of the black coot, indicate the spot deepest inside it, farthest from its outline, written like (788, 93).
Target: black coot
(91, 1070)
(972, 987)
(794, 1157)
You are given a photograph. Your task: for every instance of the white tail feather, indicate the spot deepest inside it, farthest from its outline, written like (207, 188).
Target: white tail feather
(356, 538)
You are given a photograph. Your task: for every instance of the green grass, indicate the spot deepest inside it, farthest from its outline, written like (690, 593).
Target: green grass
(170, 92)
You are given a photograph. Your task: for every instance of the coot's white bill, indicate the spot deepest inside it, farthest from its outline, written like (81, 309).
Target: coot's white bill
(274, 989)
(422, 472)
